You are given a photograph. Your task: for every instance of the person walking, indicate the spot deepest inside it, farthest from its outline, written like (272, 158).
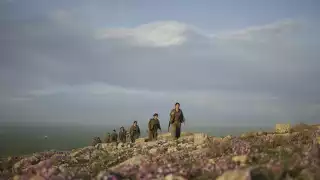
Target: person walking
(134, 131)
(153, 127)
(176, 118)
(114, 136)
(122, 135)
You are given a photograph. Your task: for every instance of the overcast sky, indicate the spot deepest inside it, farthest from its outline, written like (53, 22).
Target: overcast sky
(248, 62)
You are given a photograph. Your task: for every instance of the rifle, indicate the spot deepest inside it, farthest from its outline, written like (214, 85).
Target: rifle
(169, 126)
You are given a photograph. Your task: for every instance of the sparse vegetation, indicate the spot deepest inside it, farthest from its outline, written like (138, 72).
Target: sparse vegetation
(293, 155)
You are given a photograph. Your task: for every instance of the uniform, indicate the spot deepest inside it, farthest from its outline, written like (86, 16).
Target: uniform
(108, 138)
(153, 127)
(114, 136)
(122, 135)
(134, 133)
(176, 118)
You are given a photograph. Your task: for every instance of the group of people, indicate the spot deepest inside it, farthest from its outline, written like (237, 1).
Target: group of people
(176, 119)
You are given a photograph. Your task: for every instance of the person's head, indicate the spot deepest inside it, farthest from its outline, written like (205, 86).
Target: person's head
(177, 106)
(155, 115)
(122, 128)
(135, 123)
(114, 130)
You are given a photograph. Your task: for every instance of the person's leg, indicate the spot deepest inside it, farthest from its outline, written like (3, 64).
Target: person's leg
(150, 135)
(155, 135)
(178, 131)
(173, 131)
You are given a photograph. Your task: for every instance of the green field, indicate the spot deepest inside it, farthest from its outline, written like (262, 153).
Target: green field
(18, 139)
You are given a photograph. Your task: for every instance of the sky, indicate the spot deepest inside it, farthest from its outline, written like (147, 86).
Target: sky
(249, 62)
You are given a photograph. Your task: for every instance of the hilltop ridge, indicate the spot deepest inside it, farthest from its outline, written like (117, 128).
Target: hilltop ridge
(289, 152)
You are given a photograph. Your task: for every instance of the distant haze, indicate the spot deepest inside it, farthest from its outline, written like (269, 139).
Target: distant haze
(111, 62)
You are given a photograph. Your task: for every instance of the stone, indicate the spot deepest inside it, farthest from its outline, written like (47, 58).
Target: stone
(282, 128)
(37, 177)
(172, 149)
(174, 177)
(227, 138)
(242, 159)
(200, 138)
(239, 174)
(136, 160)
(153, 150)
(248, 134)
(306, 174)
(120, 145)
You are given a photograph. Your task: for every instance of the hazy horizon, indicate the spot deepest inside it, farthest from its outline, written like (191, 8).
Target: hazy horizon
(228, 63)
(27, 138)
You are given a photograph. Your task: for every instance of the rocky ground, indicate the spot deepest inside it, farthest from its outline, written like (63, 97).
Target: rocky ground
(256, 156)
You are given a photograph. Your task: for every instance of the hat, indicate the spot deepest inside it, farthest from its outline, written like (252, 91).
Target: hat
(155, 114)
(177, 104)
(135, 122)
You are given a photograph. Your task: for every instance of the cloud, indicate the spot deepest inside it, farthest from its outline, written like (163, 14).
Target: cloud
(62, 67)
(155, 34)
(173, 33)
(97, 88)
(262, 33)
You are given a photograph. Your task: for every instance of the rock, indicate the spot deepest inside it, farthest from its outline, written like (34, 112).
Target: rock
(196, 156)
(37, 177)
(261, 173)
(172, 149)
(261, 133)
(227, 138)
(235, 175)
(153, 150)
(200, 138)
(104, 146)
(152, 144)
(306, 174)
(120, 145)
(130, 145)
(282, 128)
(136, 160)
(242, 159)
(174, 177)
(248, 134)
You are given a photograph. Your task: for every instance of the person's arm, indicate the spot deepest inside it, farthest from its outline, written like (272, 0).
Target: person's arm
(159, 125)
(172, 116)
(149, 125)
(182, 117)
(138, 130)
(131, 131)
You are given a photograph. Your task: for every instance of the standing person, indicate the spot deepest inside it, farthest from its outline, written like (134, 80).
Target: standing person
(108, 138)
(134, 132)
(114, 136)
(122, 135)
(176, 118)
(153, 127)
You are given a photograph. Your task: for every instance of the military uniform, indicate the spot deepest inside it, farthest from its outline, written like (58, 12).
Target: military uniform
(108, 138)
(176, 118)
(114, 136)
(122, 135)
(134, 133)
(96, 140)
(153, 127)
